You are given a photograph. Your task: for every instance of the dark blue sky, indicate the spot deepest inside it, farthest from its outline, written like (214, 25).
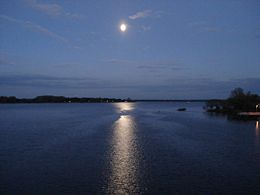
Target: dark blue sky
(171, 49)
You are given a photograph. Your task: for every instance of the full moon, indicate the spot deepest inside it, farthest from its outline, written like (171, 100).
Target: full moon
(123, 27)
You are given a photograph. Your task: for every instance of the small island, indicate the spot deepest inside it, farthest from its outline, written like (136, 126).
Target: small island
(239, 103)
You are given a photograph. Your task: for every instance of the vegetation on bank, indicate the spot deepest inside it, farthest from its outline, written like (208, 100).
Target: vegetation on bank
(238, 101)
(59, 99)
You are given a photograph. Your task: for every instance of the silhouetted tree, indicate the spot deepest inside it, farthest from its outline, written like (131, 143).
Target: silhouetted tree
(238, 101)
(10, 99)
(237, 92)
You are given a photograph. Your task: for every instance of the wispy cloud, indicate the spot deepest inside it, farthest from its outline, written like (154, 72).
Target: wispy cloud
(203, 26)
(146, 28)
(120, 61)
(148, 65)
(35, 27)
(157, 66)
(197, 23)
(38, 80)
(48, 8)
(45, 31)
(146, 14)
(52, 9)
(153, 68)
(141, 14)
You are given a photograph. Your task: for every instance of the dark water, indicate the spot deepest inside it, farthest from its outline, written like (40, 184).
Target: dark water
(126, 148)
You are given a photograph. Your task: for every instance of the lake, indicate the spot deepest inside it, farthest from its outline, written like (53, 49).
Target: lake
(126, 148)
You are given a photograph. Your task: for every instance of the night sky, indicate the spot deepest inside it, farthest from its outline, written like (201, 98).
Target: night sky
(171, 49)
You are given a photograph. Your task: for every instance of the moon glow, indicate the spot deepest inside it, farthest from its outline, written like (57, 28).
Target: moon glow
(123, 27)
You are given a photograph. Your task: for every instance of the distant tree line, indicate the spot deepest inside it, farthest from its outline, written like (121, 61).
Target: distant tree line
(238, 101)
(59, 99)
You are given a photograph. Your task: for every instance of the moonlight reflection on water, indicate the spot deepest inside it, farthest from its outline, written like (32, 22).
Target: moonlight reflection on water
(257, 132)
(124, 155)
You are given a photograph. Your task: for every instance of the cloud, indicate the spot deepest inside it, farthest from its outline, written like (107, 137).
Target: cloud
(35, 27)
(120, 62)
(214, 86)
(148, 62)
(197, 23)
(141, 14)
(248, 84)
(146, 28)
(189, 88)
(48, 8)
(10, 19)
(152, 66)
(52, 9)
(39, 81)
(45, 81)
(203, 26)
(46, 32)
(157, 68)
(74, 15)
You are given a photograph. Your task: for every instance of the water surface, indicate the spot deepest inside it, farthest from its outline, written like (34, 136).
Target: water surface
(125, 148)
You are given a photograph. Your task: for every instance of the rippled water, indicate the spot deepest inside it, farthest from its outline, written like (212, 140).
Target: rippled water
(126, 148)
